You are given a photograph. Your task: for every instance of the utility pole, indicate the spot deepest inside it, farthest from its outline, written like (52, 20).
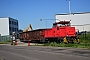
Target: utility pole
(69, 9)
(69, 6)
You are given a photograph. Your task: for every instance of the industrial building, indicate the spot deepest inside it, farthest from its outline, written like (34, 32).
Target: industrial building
(8, 25)
(81, 20)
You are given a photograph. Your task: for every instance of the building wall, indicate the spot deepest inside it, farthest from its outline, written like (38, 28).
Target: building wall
(13, 26)
(77, 19)
(8, 25)
(4, 26)
(83, 28)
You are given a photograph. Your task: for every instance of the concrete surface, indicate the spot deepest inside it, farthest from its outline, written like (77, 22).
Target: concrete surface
(8, 52)
(26, 44)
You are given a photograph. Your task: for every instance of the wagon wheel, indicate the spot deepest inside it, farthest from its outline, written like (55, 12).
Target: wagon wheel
(59, 40)
(11, 43)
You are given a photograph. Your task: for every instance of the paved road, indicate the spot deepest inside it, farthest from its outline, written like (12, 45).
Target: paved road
(42, 53)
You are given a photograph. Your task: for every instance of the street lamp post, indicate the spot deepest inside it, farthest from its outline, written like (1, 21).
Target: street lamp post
(48, 19)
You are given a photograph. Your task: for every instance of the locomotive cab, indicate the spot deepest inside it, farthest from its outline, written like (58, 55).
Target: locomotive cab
(63, 29)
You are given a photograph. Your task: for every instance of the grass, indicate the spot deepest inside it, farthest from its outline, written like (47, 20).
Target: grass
(81, 45)
(84, 43)
(5, 42)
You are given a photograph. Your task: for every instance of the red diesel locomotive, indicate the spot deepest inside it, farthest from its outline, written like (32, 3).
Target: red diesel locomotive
(60, 32)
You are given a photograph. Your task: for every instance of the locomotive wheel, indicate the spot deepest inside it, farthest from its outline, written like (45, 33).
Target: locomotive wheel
(60, 41)
(72, 40)
(43, 40)
(75, 41)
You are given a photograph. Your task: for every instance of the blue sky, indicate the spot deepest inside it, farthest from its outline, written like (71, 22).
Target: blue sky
(30, 11)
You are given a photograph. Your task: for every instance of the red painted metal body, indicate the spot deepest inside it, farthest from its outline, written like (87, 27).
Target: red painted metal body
(59, 30)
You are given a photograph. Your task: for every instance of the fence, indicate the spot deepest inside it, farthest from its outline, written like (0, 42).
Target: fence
(6, 38)
(85, 36)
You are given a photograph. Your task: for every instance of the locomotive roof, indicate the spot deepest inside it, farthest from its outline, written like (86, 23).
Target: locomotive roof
(62, 22)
